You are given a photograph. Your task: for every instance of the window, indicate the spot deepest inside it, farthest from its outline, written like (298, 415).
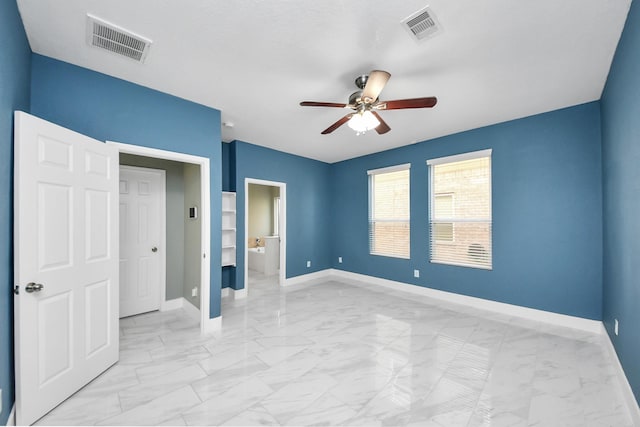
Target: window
(460, 210)
(389, 211)
(444, 208)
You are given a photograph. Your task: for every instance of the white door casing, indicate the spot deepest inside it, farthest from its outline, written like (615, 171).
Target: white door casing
(282, 231)
(206, 324)
(142, 225)
(66, 239)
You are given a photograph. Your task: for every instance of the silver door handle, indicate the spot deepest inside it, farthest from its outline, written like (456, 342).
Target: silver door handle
(154, 249)
(33, 287)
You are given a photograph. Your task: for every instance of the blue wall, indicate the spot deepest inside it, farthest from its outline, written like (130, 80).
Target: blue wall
(308, 205)
(621, 185)
(15, 70)
(547, 214)
(106, 108)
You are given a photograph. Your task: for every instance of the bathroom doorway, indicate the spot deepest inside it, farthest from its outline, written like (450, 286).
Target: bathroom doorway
(265, 234)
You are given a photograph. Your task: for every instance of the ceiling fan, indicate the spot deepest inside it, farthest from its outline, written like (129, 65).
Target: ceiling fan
(365, 104)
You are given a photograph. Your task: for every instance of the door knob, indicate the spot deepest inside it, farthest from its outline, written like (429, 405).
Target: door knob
(154, 249)
(33, 287)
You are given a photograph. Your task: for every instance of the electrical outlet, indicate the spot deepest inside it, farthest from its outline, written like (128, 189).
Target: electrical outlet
(308, 264)
(340, 260)
(416, 273)
(616, 326)
(194, 292)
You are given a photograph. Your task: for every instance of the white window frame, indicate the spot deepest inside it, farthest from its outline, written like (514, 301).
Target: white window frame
(371, 220)
(452, 159)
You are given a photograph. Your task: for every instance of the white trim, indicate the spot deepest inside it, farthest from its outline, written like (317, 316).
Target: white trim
(396, 168)
(283, 231)
(316, 275)
(461, 264)
(213, 325)
(157, 153)
(627, 392)
(205, 214)
(460, 157)
(11, 421)
(172, 304)
(240, 293)
(234, 294)
(588, 325)
(190, 309)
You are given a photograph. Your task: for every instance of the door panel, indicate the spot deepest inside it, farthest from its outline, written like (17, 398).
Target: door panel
(98, 225)
(98, 332)
(55, 235)
(65, 225)
(55, 336)
(141, 229)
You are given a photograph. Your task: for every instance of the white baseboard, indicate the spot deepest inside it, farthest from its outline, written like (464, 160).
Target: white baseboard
(11, 421)
(233, 293)
(172, 304)
(212, 325)
(191, 309)
(322, 274)
(594, 326)
(629, 397)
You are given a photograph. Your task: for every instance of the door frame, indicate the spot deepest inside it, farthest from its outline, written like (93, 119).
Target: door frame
(206, 324)
(163, 225)
(282, 228)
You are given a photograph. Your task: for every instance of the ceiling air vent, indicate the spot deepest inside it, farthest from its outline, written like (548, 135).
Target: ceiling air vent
(422, 24)
(115, 39)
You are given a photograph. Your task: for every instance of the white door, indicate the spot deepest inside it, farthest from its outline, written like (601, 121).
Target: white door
(142, 266)
(66, 263)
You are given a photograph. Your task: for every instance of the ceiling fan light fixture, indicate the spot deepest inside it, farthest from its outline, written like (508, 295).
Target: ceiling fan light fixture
(363, 121)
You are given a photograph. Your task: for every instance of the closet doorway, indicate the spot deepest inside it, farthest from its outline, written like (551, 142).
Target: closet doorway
(264, 233)
(188, 286)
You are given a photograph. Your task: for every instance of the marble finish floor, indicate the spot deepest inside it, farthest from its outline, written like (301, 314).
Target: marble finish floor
(337, 353)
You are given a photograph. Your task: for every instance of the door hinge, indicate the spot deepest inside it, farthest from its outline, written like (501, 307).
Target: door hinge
(16, 289)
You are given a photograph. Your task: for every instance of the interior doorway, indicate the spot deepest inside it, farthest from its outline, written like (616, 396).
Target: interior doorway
(265, 232)
(192, 168)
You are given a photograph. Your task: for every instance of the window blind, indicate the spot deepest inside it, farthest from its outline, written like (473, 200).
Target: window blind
(389, 217)
(460, 218)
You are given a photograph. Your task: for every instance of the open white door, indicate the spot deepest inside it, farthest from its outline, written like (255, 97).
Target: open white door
(66, 263)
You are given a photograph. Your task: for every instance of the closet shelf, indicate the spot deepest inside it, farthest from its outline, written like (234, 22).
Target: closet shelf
(229, 228)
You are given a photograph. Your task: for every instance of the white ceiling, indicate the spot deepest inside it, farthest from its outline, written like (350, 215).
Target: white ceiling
(255, 60)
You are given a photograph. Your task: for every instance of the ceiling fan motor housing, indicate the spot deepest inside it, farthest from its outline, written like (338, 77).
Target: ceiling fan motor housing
(354, 98)
(361, 81)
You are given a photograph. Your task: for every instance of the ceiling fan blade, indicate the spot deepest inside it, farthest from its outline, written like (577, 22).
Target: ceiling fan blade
(375, 83)
(321, 104)
(337, 124)
(400, 104)
(383, 127)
